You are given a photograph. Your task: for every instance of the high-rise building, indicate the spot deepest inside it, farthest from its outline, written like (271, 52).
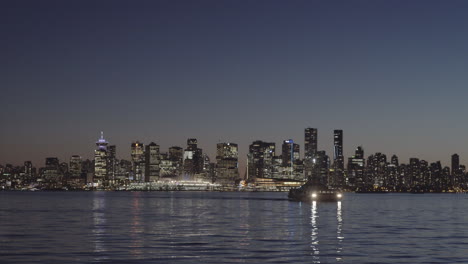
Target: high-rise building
(415, 172)
(138, 161)
(193, 158)
(227, 169)
(112, 163)
(152, 162)
(28, 169)
(338, 159)
(260, 159)
(100, 160)
(290, 153)
(75, 166)
(310, 143)
(51, 170)
(321, 168)
(356, 169)
(455, 175)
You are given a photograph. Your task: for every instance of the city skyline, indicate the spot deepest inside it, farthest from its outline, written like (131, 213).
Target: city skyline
(388, 73)
(102, 142)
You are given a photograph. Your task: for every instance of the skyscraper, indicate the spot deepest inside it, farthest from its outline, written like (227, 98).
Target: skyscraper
(152, 162)
(227, 170)
(75, 166)
(290, 152)
(193, 157)
(51, 171)
(310, 143)
(100, 160)
(260, 160)
(338, 159)
(138, 161)
(112, 164)
(356, 168)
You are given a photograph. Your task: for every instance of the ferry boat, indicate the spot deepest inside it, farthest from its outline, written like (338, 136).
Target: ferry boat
(314, 191)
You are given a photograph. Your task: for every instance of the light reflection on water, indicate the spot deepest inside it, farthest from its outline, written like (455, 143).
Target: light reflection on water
(210, 227)
(99, 220)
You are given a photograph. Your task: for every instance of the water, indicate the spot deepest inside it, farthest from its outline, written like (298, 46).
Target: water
(216, 227)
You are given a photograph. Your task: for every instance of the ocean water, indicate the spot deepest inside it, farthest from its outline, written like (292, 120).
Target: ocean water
(231, 227)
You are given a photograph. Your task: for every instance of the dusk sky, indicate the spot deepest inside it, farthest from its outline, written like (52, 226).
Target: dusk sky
(392, 74)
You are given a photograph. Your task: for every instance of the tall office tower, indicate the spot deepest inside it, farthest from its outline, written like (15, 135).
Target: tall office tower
(394, 160)
(28, 169)
(437, 183)
(259, 160)
(51, 170)
(152, 162)
(290, 153)
(100, 160)
(193, 158)
(310, 151)
(356, 169)
(425, 174)
(138, 161)
(310, 143)
(176, 154)
(415, 172)
(455, 175)
(112, 163)
(338, 159)
(75, 166)
(321, 168)
(376, 170)
(227, 157)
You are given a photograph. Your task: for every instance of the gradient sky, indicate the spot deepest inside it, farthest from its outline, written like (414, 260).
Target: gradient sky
(392, 74)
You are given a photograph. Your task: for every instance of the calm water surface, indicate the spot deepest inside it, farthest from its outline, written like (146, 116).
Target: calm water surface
(214, 227)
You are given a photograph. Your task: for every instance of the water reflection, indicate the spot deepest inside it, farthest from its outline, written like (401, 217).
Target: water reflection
(339, 235)
(314, 236)
(136, 227)
(99, 220)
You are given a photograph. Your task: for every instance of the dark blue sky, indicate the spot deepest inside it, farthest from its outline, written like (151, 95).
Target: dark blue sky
(391, 74)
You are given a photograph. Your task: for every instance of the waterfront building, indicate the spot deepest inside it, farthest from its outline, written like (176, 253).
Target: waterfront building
(138, 161)
(338, 159)
(310, 143)
(152, 162)
(290, 153)
(51, 170)
(227, 166)
(193, 158)
(100, 161)
(260, 160)
(455, 178)
(28, 169)
(356, 166)
(75, 166)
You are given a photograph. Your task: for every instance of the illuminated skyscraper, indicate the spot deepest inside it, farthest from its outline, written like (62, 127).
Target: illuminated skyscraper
(138, 161)
(193, 158)
(75, 166)
(100, 160)
(290, 153)
(152, 162)
(356, 168)
(260, 159)
(227, 162)
(28, 169)
(338, 159)
(51, 170)
(310, 143)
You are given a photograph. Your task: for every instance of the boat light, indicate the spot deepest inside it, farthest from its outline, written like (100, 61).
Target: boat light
(314, 195)
(339, 195)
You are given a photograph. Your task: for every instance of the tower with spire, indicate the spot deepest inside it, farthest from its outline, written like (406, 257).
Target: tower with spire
(100, 160)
